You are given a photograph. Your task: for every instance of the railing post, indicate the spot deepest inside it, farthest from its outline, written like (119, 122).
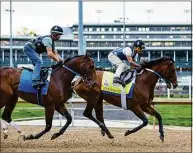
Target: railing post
(168, 93)
(72, 113)
(189, 91)
(153, 118)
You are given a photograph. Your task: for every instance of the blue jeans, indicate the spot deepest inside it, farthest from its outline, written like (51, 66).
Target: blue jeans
(34, 57)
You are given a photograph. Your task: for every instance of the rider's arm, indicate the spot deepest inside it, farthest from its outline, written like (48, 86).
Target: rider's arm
(56, 53)
(128, 52)
(130, 60)
(47, 41)
(52, 55)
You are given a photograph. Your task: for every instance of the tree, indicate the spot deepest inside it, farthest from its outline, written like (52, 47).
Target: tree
(24, 31)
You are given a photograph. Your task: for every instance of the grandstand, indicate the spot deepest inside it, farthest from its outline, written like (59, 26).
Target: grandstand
(160, 39)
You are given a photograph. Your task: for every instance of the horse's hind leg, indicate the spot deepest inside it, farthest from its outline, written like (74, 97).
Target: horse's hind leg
(139, 113)
(153, 112)
(99, 115)
(63, 111)
(49, 112)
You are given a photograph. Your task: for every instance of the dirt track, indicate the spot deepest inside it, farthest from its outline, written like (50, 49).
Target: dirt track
(90, 140)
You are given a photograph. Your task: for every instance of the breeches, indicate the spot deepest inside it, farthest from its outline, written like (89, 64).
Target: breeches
(121, 66)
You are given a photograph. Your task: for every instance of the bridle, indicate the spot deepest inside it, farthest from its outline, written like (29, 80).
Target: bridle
(162, 79)
(84, 76)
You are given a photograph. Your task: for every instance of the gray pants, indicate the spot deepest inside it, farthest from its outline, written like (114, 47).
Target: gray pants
(121, 65)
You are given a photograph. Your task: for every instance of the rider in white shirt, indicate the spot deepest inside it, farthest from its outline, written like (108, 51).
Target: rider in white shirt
(120, 55)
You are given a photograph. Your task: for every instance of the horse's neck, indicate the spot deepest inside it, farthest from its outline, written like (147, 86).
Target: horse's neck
(64, 76)
(151, 77)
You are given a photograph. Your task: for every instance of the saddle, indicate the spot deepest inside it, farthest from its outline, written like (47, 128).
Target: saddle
(126, 77)
(43, 72)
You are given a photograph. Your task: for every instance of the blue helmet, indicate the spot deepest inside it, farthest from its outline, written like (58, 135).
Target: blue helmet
(139, 43)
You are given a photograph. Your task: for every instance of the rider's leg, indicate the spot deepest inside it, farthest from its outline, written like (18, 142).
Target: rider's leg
(121, 66)
(34, 57)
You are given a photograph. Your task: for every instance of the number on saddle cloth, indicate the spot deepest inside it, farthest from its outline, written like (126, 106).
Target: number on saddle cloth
(127, 76)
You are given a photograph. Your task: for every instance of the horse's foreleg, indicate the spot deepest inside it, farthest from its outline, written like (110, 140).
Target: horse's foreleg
(63, 111)
(99, 115)
(88, 113)
(140, 114)
(49, 112)
(153, 112)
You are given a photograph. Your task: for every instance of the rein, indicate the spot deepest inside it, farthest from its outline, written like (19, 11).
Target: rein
(156, 73)
(84, 77)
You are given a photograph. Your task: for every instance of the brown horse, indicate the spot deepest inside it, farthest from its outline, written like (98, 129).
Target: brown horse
(142, 96)
(58, 93)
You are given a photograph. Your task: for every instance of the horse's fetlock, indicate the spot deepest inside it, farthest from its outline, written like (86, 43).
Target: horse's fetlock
(145, 122)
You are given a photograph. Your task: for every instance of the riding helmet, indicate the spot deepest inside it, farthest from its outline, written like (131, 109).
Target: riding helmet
(139, 43)
(57, 30)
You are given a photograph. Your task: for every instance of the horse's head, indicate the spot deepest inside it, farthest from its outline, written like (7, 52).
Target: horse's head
(84, 66)
(165, 67)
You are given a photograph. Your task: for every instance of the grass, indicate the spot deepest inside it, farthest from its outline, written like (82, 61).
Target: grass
(175, 115)
(26, 113)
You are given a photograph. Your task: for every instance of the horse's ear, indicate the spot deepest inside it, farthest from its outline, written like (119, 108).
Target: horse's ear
(88, 54)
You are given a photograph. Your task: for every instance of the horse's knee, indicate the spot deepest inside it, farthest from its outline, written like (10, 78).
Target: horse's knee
(87, 114)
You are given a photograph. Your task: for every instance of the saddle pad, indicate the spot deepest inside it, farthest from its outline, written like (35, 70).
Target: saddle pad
(26, 83)
(108, 87)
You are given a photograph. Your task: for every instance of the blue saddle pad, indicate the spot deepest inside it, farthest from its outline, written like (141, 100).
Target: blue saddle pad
(26, 83)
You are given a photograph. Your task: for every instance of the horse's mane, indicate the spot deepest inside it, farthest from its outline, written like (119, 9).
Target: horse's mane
(156, 61)
(68, 58)
(71, 57)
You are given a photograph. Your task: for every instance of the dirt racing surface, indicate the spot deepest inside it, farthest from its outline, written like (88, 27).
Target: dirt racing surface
(91, 140)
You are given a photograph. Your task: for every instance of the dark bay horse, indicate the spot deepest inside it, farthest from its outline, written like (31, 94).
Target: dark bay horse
(142, 96)
(58, 93)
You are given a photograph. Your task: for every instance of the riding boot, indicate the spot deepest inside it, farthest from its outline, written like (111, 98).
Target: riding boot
(116, 80)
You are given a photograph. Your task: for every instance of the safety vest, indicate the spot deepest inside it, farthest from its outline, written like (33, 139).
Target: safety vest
(119, 53)
(40, 48)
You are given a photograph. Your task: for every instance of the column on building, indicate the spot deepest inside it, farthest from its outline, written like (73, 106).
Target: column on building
(149, 55)
(98, 56)
(62, 54)
(16, 55)
(3, 55)
(162, 53)
(174, 55)
(187, 56)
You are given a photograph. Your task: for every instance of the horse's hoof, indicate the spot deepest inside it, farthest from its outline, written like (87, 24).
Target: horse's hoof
(110, 136)
(29, 137)
(162, 138)
(102, 132)
(127, 133)
(54, 136)
(5, 136)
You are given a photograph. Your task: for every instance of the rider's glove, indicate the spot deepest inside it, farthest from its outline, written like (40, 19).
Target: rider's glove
(61, 62)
